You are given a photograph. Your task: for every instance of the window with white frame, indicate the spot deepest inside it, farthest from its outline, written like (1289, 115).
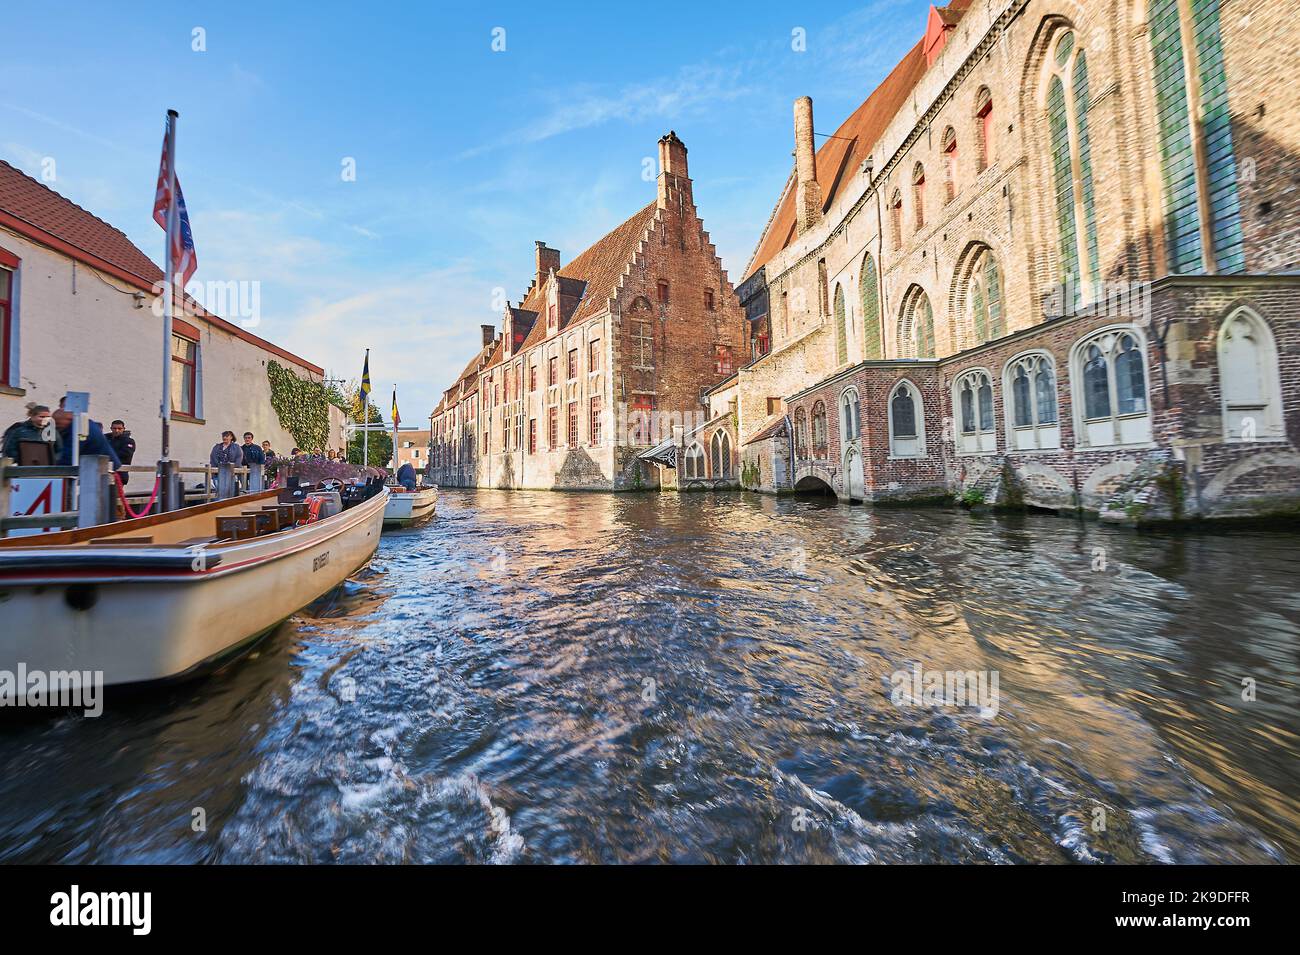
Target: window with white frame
(1029, 394)
(1108, 374)
(8, 289)
(693, 463)
(721, 455)
(850, 415)
(974, 430)
(906, 422)
(1248, 379)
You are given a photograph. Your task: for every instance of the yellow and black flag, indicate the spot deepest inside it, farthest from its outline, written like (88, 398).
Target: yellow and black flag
(396, 417)
(365, 378)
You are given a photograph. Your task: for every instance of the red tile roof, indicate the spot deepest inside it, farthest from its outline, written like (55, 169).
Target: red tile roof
(44, 209)
(37, 212)
(840, 157)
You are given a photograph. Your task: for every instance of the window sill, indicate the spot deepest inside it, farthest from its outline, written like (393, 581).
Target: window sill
(187, 419)
(1137, 446)
(978, 454)
(10, 390)
(1043, 450)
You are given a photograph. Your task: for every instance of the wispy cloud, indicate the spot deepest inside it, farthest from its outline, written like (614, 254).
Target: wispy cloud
(692, 89)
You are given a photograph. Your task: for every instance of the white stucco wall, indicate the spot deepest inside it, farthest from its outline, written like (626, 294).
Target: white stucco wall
(79, 330)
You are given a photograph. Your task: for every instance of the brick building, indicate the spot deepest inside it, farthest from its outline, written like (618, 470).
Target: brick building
(601, 359)
(1052, 257)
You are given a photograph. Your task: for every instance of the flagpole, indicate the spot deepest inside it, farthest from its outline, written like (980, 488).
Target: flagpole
(394, 429)
(165, 409)
(365, 417)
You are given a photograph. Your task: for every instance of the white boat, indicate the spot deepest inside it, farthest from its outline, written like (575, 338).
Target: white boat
(162, 597)
(405, 507)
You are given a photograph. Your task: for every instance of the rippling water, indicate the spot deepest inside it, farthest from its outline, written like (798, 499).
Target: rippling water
(539, 677)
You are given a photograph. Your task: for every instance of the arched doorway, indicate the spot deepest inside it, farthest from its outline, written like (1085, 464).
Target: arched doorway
(854, 483)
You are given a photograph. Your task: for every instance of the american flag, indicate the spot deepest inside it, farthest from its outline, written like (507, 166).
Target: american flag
(184, 259)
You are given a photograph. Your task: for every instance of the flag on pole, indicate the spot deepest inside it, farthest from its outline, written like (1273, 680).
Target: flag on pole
(185, 260)
(396, 417)
(365, 378)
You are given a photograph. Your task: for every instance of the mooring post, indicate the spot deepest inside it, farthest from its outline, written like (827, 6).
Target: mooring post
(170, 494)
(5, 464)
(226, 484)
(255, 476)
(93, 503)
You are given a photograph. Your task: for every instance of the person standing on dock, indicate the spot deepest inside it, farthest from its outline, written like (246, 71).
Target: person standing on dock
(226, 451)
(123, 445)
(93, 443)
(252, 453)
(30, 429)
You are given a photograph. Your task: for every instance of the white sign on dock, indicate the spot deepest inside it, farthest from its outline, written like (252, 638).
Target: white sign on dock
(35, 496)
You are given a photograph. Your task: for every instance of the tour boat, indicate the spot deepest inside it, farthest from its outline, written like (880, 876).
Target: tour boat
(172, 595)
(405, 507)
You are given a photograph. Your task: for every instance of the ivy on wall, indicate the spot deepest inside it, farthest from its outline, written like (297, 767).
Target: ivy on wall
(302, 406)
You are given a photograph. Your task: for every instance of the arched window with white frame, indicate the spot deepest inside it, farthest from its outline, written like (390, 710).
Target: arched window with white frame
(721, 455)
(974, 429)
(1248, 379)
(1029, 397)
(850, 415)
(906, 421)
(1112, 406)
(693, 462)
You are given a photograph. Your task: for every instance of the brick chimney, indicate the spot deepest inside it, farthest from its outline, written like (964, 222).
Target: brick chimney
(808, 195)
(673, 177)
(547, 259)
(489, 334)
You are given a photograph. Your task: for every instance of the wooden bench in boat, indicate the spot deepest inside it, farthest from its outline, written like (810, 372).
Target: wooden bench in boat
(237, 527)
(266, 521)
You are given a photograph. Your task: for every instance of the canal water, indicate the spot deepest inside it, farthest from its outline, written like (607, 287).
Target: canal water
(539, 677)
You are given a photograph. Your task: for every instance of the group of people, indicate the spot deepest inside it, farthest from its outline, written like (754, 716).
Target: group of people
(45, 437)
(48, 436)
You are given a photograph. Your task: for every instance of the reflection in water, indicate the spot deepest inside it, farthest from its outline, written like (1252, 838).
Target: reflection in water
(546, 677)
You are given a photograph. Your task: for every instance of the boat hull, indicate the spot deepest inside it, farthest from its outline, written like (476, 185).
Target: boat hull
(405, 509)
(139, 624)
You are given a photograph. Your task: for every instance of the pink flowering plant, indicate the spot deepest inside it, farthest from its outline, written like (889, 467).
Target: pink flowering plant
(313, 469)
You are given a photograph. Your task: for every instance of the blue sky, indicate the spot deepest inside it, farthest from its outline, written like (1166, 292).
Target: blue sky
(464, 155)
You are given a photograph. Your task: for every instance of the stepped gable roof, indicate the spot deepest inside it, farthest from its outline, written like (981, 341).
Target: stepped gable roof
(37, 212)
(840, 156)
(599, 268)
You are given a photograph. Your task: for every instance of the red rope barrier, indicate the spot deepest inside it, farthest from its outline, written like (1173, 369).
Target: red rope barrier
(121, 496)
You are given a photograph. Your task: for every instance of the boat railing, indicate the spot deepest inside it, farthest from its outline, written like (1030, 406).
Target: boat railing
(91, 489)
(218, 484)
(86, 495)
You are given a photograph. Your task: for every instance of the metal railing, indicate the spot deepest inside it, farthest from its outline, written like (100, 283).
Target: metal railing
(95, 496)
